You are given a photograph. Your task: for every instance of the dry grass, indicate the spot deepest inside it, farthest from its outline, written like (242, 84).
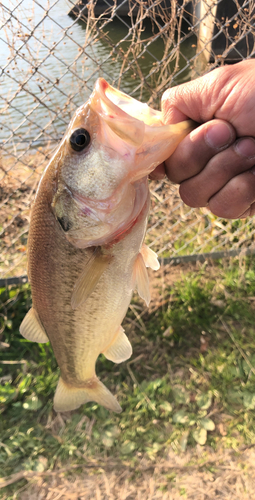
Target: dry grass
(200, 474)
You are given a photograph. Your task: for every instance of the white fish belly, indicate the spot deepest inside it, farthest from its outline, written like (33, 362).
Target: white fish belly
(99, 319)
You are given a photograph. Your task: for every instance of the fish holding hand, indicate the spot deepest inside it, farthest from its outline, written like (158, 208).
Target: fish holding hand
(85, 247)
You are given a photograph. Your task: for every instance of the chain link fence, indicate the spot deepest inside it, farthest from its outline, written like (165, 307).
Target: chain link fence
(52, 52)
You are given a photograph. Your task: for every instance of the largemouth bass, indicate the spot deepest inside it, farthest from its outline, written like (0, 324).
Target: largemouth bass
(85, 247)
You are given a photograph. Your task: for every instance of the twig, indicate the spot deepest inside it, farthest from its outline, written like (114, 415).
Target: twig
(237, 346)
(136, 359)
(21, 362)
(138, 385)
(138, 317)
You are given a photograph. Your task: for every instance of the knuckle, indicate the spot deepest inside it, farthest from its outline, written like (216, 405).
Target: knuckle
(191, 197)
(234, 199)
(166, 96)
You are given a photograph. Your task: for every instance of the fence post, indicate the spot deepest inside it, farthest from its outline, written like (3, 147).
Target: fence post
(225, 29)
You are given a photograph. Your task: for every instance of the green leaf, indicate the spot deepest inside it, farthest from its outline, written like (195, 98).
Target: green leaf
(180, 395)
(154, 449)
(200, 435)
(204, 400)
(192, 420)
(166, 407)
(207, 424)
(32, 403)
(38, 464)
(180, 417)
(7, 393)
(107, 441)
(109, 436)
(235, 397)
(128, 447)
(9, 324)
(249, 400)
(25, 383)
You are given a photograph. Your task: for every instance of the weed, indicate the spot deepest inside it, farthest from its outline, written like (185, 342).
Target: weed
(191, 379)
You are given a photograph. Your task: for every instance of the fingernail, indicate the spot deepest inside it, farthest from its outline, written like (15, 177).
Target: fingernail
(219, 135)
(245, 147)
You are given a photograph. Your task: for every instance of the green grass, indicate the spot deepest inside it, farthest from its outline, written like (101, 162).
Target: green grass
(191, 378)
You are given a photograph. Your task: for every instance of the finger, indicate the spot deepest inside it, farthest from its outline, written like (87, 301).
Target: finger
(238, 158)
(226, 165)
(218, 94)
(236, 199)
(195, 150)
(249, 212)
(197, 99)
(159, 172)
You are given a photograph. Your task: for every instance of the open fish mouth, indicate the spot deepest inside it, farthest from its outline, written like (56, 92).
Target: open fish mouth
(133, 140)
(113, 100)
(122, 135)
(134, 129)
(125, 115)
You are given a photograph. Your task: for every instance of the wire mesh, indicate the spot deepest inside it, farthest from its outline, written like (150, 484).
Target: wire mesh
(52, 52)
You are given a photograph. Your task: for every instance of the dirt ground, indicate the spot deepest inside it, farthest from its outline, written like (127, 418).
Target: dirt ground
(200, 474)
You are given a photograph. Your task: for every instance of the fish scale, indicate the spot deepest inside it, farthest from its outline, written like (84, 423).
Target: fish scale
(86, 251)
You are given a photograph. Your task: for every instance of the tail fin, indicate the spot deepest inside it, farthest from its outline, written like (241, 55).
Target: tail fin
(69, 398)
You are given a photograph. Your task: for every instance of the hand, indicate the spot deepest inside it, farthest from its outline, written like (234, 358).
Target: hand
(215, 163)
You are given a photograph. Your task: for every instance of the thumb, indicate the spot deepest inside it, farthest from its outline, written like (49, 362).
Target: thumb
(203, 98)
(187, 101)
(226, 93)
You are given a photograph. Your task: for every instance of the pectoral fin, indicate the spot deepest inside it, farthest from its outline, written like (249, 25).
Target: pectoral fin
(120, 349)
(140, 277)
(89, 278)
(69, 398)
(150, 258)
(31, 328)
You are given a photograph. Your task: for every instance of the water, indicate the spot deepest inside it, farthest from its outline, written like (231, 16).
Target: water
(46, 76)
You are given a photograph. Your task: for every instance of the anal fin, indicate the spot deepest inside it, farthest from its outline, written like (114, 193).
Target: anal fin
(120, 349)
(69, 398)
(31, 328)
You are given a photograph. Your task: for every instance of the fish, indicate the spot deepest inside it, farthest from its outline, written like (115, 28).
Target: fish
(86, 251)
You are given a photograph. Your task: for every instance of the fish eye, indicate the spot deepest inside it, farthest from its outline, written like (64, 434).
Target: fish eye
(79, 139)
